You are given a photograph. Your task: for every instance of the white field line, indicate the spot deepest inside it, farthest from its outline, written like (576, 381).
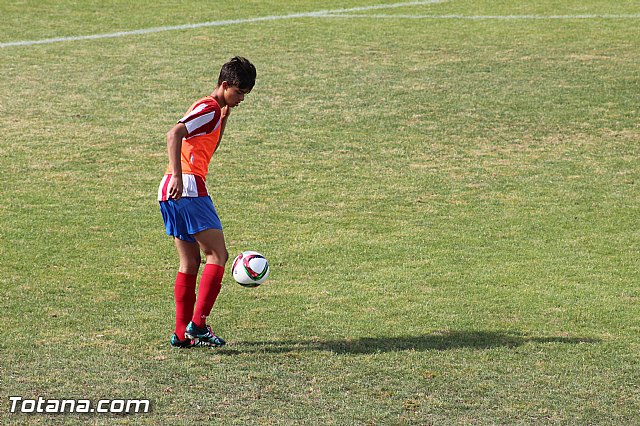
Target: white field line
(319, 13)
(481, 17)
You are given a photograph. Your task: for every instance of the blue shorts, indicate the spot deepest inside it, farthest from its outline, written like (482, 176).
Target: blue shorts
(188, 216)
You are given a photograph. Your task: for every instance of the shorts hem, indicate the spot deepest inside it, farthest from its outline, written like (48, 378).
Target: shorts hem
(195, 232)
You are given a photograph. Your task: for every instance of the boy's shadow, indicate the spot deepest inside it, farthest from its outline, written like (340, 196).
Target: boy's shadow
(439, 341)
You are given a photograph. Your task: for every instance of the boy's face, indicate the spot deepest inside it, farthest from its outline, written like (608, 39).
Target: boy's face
(234, 95)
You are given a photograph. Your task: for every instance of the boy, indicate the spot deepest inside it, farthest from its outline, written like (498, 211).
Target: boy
(187, 210)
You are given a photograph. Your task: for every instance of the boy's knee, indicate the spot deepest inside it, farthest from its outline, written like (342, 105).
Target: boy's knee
(224, 256)
(219, 256)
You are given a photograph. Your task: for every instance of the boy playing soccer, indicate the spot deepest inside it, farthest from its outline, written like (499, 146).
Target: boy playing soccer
(187, 210)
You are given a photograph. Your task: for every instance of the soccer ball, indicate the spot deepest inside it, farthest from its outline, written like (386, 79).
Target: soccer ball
(250, 269)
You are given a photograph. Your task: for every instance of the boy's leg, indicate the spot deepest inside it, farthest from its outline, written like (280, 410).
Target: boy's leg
(211, 242)
(185, 285)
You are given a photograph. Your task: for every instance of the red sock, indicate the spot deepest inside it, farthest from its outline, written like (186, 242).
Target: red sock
(210, 284)
(184, 292)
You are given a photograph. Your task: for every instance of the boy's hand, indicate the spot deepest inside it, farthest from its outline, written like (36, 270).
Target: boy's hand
(174, 189)
(226, 112)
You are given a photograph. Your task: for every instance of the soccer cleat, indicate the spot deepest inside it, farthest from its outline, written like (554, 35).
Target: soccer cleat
(186, 343)
(203, 336)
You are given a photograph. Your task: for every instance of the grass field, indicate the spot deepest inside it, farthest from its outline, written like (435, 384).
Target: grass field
(448, 194)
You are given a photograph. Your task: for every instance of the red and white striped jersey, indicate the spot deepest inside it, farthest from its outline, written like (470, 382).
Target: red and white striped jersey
(203, 117)
(192, 186)
(202, 121)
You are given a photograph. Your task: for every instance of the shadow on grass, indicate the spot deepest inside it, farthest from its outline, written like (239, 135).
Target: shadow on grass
(437, 341)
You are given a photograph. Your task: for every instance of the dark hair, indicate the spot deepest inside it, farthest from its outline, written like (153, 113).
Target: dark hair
(238, 72)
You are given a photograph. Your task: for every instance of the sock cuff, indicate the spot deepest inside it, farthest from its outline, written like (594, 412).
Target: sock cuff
(212, 269)
(186, 280)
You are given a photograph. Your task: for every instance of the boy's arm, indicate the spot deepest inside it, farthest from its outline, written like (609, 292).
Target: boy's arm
(225, 113)
(174, 146)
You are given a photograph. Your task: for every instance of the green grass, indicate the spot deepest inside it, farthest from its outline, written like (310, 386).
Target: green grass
(449, 207)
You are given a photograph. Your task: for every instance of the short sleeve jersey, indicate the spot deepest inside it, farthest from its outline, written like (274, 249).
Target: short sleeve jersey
(202, 121)
(203, 124)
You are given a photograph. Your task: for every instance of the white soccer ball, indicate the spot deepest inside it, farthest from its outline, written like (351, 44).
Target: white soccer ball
(250, 269)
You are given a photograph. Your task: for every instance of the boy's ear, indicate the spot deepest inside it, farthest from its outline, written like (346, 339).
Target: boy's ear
(225, 85)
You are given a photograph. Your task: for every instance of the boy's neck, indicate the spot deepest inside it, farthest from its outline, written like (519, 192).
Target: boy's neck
(218, 95)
